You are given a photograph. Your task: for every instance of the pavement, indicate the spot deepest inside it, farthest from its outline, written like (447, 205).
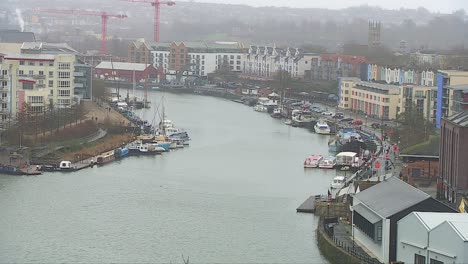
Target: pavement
(344, 234)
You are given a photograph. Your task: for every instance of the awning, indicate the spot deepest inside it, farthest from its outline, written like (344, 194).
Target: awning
(366, 213)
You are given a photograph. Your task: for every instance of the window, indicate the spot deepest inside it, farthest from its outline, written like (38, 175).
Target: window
(21, 62)
(31, 63)
(238, 62)
(51, 74)
(31, 73)
(64, 93)
(41, 63)
(41, 73)
(435, 261)
(64, 65)
(346, 85)
(51, 84)
(4, 72)
(35, 99)
(63, 101)
(4, 106)
(4, 95)
(346, 92)
(238, 68)
(51, 64)
(63, 84)
(4, 84)
(64, 75)
(238, 57)
(346, 98)
(418, 259)
(27, 86)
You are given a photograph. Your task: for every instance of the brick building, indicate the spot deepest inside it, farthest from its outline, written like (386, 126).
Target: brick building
(453, 164)
(420, 167)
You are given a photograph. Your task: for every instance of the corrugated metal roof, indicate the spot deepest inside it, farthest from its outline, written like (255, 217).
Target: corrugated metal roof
(460, 119)
(31, 56)
(126, 66)
(391, 196)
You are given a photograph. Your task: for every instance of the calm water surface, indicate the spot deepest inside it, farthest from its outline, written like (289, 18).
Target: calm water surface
(228, 198)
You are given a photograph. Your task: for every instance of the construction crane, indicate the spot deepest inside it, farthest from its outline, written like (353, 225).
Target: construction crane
(104, 17)
(157, 9)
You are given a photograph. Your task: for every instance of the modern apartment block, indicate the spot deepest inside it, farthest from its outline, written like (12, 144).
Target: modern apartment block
(192, 58)
(35, 80)
(452, 93)
(453, 152)
(385, 101)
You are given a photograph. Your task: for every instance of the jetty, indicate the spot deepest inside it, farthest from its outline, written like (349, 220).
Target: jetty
(308, 206)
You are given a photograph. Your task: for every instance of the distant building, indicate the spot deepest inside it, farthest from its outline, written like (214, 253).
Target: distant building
(374, 34)
(452, 87)
(420, 168)
(330, 67)
(403, 47)
(453, 165)
(377, 210)
(16, 36)
(191, 58)
(125, 71)
(264, 62)
(433, 238)
(421, 99)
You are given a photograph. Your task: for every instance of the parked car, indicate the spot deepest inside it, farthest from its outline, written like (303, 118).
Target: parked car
(357, 122)
(327, 113)
(338, 115)
(346, 120)
(375, 125)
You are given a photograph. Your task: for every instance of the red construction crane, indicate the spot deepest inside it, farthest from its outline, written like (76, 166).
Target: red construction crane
(104, 17)
(157, 9)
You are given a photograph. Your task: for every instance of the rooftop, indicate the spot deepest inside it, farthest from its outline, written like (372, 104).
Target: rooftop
(453, 72)
(431, 219)
(460, 119)
(126, 66)
(461, 227)
(352, 79)
(460, 87)
(377, 198)
(30, 57)
(384, 87)
(44, 47)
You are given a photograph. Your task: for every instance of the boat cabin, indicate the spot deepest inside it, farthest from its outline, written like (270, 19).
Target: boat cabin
(350, 159)
(65, 165)
(338, 182)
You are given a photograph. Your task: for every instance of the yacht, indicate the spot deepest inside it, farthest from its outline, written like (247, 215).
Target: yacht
(321, 127)
(260, 108)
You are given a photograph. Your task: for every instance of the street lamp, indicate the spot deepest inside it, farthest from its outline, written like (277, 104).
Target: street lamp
(352, 230)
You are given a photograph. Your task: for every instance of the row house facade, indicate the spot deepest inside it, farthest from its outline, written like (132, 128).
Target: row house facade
(264, 62)
(393, 75)
(385, 101)
(330, 67)
(36, 80)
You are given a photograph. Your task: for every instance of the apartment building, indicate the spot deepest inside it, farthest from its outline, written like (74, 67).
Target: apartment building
(452, 87)
(191, 58)
(386, 101)
(330, 67)
(35, 80)
(264, 62)
(395, 75)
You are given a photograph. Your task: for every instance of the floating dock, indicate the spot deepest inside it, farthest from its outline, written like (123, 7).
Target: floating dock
(309, 205)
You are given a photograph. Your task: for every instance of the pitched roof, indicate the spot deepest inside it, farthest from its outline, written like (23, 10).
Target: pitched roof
(460, 119)
(461, 227)
(126, 66)
(391, 196)
(432, 219)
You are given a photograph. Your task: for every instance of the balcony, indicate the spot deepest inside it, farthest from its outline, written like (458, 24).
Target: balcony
(39, 77)
(78, 74)
(4, 77)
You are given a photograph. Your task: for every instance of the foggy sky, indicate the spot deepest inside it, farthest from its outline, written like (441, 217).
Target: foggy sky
(447, 6)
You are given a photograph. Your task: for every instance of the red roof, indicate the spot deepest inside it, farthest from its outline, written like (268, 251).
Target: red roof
(348, 59)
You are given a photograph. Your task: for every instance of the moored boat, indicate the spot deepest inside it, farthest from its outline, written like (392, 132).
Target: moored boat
(120, 153)
(312, 161)
(260, 108)
(327, 163)
(276, 113)
(105, 157)
(321, 127)
(338, 182)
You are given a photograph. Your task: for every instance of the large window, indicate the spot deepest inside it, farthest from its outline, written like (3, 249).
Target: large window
(35, 99)
(435, 261)
(364, 225)
(64, 93)
(418, 259)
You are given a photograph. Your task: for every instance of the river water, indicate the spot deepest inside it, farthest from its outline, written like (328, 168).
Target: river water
(230, 197)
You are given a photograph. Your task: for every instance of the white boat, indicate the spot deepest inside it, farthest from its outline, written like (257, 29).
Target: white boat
(260, 108)
(276, 113)
(302, 118)
(347, 160)
(328, 163)
(288, 122)
(338, 182)
(321, 127)
(312, 161)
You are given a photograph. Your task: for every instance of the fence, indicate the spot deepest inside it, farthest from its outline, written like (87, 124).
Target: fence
(352, 250)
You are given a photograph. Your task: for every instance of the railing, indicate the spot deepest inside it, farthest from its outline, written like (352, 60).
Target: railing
(363, 258)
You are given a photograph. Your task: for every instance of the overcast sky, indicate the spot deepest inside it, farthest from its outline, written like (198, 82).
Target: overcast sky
(446, 6)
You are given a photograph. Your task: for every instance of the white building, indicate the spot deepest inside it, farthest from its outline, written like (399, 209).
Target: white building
(377, 210)
(265, 62)
(198, 58)
(433, 238)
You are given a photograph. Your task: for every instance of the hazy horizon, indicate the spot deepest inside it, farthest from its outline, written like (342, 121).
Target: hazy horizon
(448, 6)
